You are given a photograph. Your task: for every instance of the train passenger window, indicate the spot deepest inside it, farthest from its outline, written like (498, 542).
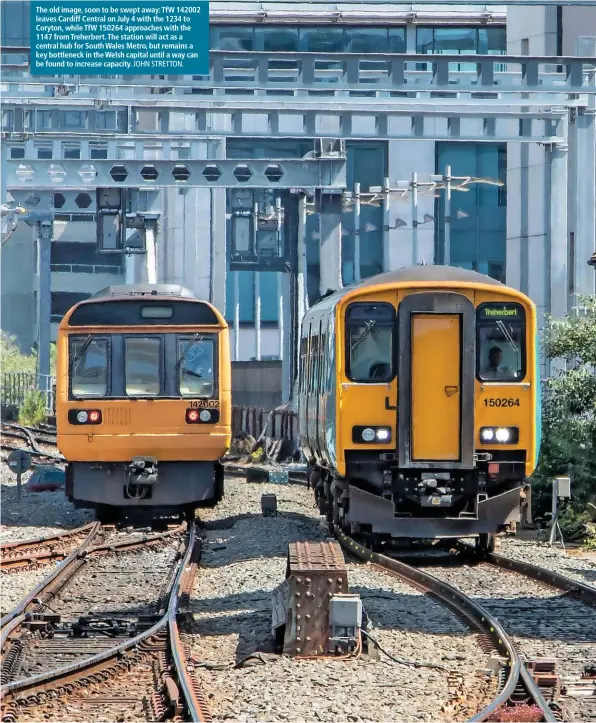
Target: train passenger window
(142, 366)
(89, 366)
(197, 368)
(500, 345)
(369, 334)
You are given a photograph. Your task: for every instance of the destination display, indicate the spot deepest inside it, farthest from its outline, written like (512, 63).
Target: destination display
(113, 38)
(501, 311)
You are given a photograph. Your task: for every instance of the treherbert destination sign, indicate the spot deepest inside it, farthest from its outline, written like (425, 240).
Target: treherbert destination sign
(115, 38)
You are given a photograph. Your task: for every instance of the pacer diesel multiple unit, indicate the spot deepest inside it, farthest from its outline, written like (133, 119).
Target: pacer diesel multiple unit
(143, 401)
(419, 404)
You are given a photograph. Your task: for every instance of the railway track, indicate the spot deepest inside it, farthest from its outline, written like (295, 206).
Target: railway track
(515, 683)
(39, 442)
(133, 665)
(32, 554)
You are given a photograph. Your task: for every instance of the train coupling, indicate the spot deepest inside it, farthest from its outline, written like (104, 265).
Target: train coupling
(143, 471)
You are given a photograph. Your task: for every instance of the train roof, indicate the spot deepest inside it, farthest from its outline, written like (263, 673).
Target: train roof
(432, 272)
(408, 274)
(143, 290)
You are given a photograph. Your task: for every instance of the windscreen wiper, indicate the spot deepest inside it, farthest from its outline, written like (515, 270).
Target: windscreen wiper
(83, 349)
(190, 343)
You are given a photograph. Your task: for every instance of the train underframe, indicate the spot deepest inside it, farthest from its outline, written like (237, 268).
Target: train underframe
(144, 488)
(383, 504)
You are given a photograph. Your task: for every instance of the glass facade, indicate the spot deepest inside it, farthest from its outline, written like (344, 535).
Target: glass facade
(321, 39)
(478, 217)
(15, 18)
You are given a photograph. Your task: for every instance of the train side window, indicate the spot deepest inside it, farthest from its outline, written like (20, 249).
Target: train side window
(501, 342)
(370, 329)
(142, 365)
(197, 368)
(89, 366)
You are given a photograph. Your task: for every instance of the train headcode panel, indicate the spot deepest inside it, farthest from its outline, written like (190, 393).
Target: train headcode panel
(419, 404)
(143, 406)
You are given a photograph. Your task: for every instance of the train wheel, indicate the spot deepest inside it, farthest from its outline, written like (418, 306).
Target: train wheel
(485, 544)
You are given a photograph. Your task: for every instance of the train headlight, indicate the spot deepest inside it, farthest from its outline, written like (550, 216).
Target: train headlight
(82, 417)
(371, 435)
(499, 435)
(205, 415)
(383, 434)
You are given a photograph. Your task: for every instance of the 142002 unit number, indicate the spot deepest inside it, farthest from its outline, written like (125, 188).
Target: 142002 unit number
(501, 402)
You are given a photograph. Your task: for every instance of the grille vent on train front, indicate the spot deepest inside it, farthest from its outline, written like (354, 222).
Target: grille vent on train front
(117, 416)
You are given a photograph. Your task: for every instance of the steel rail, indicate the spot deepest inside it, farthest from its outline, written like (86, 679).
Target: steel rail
(482, 619)
(79, 669)
(586, 593)
(8, 547)
(196, 708)
(18, 613)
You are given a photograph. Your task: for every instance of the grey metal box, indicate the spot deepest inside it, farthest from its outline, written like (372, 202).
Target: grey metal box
(563, 487)
(345, 611)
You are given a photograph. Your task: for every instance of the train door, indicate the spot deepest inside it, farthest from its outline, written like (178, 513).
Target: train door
(436, 381)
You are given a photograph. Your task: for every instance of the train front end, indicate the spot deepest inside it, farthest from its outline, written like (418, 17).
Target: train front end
(143, 401)
(437, 424)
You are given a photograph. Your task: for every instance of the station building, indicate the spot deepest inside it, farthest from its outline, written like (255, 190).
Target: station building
(499, 231)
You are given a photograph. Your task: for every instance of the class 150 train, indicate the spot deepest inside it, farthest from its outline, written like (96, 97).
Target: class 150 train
(419, 404)
(143, 407)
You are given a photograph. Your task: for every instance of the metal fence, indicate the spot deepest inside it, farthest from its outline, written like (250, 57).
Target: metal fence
(276, 424)
(16, 385)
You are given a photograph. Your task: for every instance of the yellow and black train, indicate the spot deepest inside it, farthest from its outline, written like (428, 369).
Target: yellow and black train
(419, 404)
(143, 404)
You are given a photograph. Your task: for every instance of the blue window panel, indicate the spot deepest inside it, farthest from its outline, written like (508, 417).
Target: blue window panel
(15, 18)
(269, 296)
(247, 296)
(366, 164)
(479, 222)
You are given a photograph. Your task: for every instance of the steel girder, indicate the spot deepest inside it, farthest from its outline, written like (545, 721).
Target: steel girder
(362, 118)
(335, 72)
(310, 173)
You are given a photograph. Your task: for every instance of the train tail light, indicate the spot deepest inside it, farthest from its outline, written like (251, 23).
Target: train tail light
(84, 416)
(202, 416)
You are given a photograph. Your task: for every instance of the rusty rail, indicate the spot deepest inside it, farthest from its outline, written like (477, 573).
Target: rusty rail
(108, 662)
(23, 553)
(475, 613)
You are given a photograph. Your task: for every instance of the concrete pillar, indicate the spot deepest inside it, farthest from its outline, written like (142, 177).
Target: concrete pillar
(356, 232)
(585, 193)
(257, 290)
(285, 333)
(219, 258)
(330, 248)
(44, 301)
(386, 225)
(129, 269)
(236, 275)
(151, 247)
(557, 157)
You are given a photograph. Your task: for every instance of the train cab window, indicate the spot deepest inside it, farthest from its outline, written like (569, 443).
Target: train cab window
(142, 366)
(196, 362)
(369, 334)
(500, 345)
(89, 366)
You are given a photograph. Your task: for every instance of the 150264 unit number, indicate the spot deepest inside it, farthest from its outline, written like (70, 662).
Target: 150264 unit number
(502, 402)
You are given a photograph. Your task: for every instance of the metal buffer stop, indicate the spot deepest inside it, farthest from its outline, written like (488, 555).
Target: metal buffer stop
(316, 585)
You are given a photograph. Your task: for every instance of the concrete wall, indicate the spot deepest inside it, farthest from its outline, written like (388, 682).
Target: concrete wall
(256, 384)
(18, 274)
(577, 21)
